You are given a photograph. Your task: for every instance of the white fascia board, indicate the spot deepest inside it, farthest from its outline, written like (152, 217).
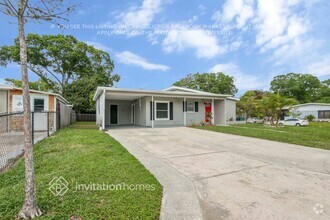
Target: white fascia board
(155, 93)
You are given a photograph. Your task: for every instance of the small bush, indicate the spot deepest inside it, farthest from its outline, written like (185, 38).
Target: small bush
(310, 117)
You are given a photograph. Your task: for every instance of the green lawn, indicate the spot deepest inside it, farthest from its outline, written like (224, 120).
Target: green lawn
(84, 155)
(315, 135)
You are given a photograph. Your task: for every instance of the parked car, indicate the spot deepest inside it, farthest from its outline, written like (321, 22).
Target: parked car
(255, 120)
(293, 122)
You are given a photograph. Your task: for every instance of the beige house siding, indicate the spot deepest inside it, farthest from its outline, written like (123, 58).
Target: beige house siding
(3, 101)
(16, 121)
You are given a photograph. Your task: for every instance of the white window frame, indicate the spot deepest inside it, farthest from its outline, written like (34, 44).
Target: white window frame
(168, 111)
(193, 111)
(38, 96)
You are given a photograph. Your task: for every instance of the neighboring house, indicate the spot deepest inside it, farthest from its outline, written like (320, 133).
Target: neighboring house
(11, 101)
(169, 107)
(321, 111)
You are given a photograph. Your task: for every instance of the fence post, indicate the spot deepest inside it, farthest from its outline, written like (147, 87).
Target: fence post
(7, 122)
(32, 128)
(47, 124)
(59, 121)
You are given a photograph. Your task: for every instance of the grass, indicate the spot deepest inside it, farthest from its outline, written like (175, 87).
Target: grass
(316, 135)
(84, 155)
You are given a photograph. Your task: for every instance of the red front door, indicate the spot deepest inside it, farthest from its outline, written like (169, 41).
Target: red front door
(208, 110)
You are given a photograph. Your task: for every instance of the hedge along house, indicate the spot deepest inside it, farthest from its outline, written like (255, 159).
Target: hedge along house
(11, 101)
(175, 106)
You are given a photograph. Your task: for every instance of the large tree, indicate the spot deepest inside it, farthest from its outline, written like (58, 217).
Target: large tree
(303, 87)
(324, 92)
(271, 105)
(249, 102)
(209, 82)
(61, 59)
(39, 85)
(81, 91)
(69, 67)
(24, 11)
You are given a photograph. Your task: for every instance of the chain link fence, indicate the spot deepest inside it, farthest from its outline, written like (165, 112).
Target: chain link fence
(12, 136)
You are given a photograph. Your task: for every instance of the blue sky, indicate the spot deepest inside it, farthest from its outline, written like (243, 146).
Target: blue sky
(156, 42)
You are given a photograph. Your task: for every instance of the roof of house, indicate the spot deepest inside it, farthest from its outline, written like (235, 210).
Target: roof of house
(306, 104)
(322, 104)
(174, 90)
(10, 87)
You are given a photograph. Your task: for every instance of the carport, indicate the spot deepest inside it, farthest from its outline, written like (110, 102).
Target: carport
(160, 108)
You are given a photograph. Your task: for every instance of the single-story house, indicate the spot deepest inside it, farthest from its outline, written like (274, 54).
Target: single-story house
(11, 101)
(321, 111)
(174, 106)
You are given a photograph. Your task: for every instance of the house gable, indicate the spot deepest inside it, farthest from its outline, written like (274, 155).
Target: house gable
(186, 90)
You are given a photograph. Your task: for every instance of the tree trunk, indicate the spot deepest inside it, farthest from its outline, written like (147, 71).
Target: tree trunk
(30, 208)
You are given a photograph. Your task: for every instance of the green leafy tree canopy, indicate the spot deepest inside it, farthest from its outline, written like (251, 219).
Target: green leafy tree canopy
(303, 87)
(272, 104)
(248, 103)
(61, 59)
(39, 85)
(66, 66)
(324, 92)
(209, 82)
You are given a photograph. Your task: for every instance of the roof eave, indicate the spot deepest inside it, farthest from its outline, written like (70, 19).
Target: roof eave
(160, 92)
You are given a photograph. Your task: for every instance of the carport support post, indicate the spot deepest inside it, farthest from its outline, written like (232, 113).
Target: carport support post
(152, 111)
(225, 111)
(184, 112)
(213, 115)
(103, 116)
(32, 127)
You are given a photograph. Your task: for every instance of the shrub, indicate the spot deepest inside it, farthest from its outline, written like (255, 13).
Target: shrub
(310, 117)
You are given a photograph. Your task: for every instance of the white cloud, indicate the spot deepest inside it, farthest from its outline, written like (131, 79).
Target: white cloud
(193, 19)
(99, 46)
(242, 81)
(205, 44)
(143, 15)
(282, 28)
(319, 68)
(2, 81)
(277, 22)
(130, 58)
(300, 50)
(235, 45)
(201, 9)
(240, 10)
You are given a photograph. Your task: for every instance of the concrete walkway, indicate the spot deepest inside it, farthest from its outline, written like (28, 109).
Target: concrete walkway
(213, 175)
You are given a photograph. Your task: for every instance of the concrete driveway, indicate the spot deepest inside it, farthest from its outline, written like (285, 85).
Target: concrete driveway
(213, 175)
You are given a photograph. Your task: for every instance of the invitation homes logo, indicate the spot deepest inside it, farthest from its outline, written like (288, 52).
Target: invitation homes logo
(59, 186)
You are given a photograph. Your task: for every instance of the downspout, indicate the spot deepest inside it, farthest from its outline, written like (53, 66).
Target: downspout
(152, 111)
